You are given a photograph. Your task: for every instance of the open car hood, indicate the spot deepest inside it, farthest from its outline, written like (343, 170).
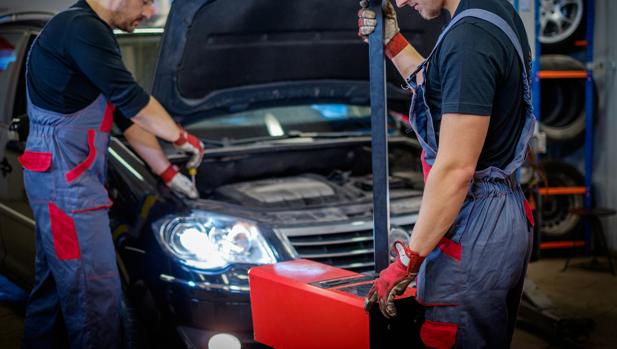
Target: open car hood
(222, 55)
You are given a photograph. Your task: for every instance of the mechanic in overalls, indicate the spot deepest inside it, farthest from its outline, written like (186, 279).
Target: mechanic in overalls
(472, 115)
(75, 79)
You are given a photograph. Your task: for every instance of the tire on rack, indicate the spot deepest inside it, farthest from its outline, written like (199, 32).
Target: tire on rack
(562, 23)
(562, 104)
(558, 223)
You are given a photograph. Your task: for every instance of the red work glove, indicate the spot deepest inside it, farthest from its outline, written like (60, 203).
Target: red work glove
(178, 182)
(393, 280)
(190, 144)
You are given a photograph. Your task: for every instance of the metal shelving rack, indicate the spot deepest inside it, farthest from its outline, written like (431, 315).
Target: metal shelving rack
(589, 113)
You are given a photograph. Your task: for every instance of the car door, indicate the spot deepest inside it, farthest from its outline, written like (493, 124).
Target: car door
(16, 221)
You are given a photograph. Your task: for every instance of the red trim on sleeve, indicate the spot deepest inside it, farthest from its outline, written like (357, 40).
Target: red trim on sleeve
(169, 173)
(35, 161)
(108, 118)
(396, 45)
(450, 248)
(438, 335)
(63, 233)
(87, 163)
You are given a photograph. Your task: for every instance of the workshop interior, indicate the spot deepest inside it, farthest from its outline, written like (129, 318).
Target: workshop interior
(218, 174)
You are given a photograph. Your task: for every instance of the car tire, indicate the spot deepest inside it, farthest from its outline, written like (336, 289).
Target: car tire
(562, 104)
(562, 23)
(558, 223)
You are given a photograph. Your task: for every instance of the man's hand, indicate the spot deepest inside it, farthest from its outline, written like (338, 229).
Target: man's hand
(190, 144)
(393, 280)
(367, 22)
(179, 183)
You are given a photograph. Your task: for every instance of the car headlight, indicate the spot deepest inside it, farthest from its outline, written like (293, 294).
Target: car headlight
(211, 241)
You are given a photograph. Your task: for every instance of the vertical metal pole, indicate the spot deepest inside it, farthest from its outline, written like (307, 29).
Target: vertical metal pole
(535, 67)
(589, 104)
(535, 98)
(379, 134)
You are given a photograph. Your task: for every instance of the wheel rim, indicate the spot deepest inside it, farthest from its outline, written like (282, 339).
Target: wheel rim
(559, 19)
(557, 218)
(557, 221)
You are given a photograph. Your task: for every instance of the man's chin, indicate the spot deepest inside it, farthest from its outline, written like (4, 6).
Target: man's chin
(429, 15)
(128, 28)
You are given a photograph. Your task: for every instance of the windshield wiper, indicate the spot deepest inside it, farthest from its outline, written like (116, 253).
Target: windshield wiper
(299, 135)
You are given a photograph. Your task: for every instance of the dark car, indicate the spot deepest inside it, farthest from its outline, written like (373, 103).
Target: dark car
(279, 93)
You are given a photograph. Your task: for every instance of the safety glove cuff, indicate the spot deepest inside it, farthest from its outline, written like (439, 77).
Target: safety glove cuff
(178, 182)
(409, 259)
(192, 145)
(169, 173)
(393, 280)
(395, 46)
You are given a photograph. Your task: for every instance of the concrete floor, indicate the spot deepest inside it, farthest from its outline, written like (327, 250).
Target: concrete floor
(575, 292)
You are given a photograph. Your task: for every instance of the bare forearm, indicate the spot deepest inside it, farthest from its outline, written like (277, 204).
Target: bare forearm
(147, 147)
(407, 61)
(155, 119)
(460, 143)
(444, 193)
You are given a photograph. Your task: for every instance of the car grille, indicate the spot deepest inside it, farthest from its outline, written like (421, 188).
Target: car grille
(347, 246)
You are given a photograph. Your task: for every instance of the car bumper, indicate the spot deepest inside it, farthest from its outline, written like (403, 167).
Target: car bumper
(201, 313)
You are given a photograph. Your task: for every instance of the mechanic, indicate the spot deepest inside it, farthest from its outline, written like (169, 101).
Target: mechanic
(75, 80)
(472, 115)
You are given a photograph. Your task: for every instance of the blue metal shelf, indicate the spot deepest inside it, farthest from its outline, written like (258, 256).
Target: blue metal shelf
(589, 98)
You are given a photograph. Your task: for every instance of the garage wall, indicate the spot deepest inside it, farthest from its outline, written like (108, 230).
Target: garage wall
(605, 141)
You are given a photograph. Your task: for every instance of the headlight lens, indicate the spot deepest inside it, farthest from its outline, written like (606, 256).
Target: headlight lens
(211, 241)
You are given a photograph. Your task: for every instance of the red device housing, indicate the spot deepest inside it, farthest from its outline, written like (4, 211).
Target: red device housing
(304, 304)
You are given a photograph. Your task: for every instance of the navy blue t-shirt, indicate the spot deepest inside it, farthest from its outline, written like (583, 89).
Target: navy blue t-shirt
(75, 59)
(477, 71)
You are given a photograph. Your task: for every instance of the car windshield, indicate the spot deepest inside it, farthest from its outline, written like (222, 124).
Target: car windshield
(306, 120)
(140, 52)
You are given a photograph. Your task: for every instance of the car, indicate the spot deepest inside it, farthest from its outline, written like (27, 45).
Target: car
(279, 93)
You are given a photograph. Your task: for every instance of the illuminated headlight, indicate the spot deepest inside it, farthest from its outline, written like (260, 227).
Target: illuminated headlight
(209, 242)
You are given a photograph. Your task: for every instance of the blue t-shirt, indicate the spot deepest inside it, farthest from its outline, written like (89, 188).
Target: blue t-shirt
(477, 71)
(75, 59)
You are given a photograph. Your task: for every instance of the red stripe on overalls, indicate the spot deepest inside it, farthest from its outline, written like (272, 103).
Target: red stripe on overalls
(108, 118)
(529, 213)
(450, 248)
(426, 168)
(87, 163)
(63, 233)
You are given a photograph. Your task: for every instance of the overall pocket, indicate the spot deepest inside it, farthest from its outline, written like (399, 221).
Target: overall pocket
(35, 161)
(38, 179)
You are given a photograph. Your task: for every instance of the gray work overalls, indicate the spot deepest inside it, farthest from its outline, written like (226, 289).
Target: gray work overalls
(471, 283)
(77, 291)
